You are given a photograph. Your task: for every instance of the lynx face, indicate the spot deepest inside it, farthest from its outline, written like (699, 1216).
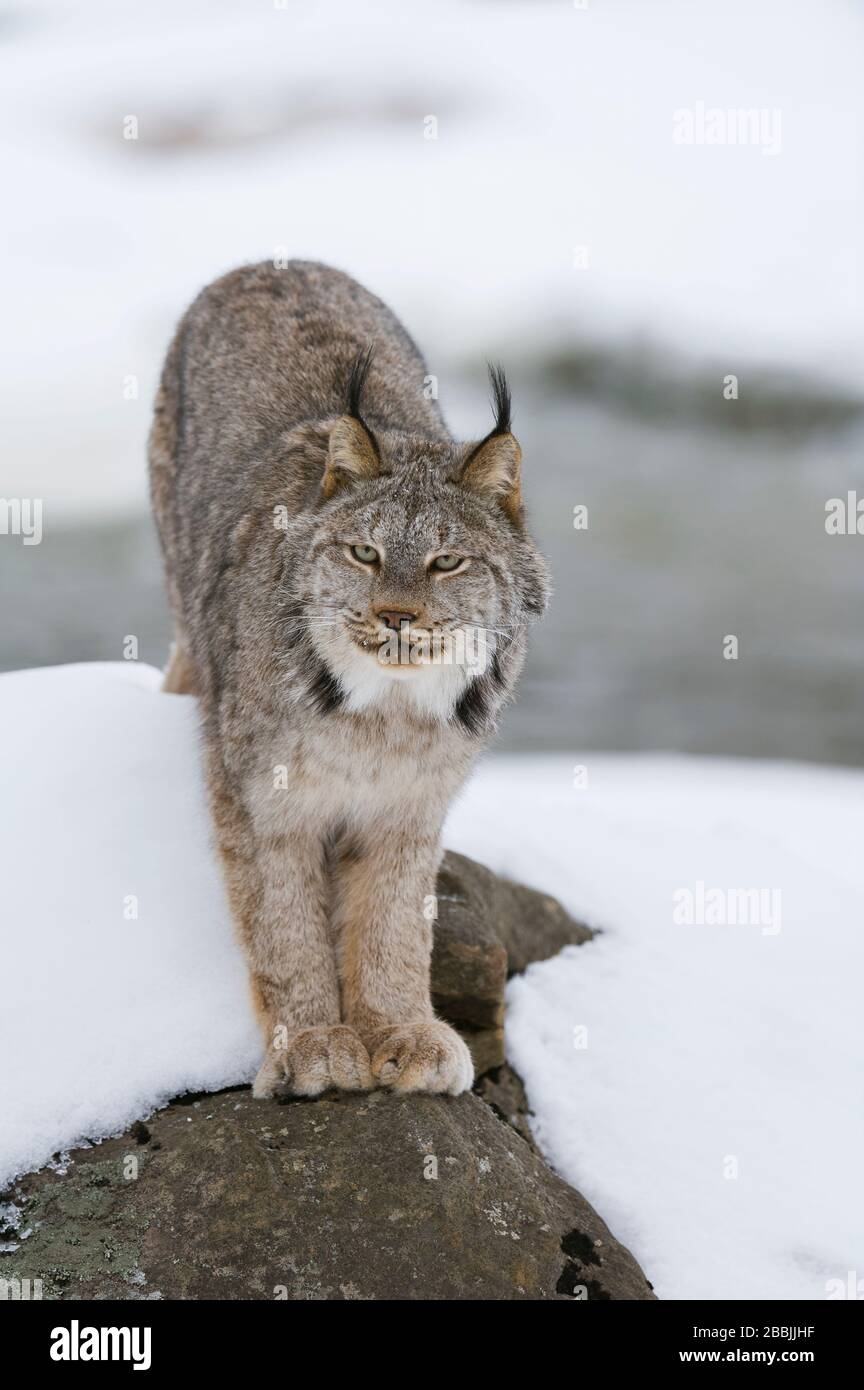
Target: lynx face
(410, 585)
(419, 577)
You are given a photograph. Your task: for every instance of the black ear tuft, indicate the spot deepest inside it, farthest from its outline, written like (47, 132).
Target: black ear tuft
(356, 386)
(357, 381)
(500, 399)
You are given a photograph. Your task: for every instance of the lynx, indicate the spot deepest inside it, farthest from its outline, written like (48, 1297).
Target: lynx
(351, 591)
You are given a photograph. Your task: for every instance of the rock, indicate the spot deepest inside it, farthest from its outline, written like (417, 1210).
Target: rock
(487, 1048)
(469, 959)
(347, 1197)
(502, 1089)
(478, 906)
(488, 928)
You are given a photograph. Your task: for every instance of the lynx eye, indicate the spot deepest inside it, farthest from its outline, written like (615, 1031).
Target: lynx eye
(366, 554)
(446, 562)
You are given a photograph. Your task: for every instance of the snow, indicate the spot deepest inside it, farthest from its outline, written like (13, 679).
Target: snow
(300, 127)
(106, 1015)
(707, 1045)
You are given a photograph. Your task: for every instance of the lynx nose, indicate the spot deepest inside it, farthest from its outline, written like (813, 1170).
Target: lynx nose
(394, 618)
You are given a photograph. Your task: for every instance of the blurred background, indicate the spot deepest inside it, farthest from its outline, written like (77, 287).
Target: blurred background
(512, 178)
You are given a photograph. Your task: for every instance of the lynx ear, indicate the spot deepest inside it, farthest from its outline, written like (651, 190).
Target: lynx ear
(493, 465)
(352, 453)
(353, 450)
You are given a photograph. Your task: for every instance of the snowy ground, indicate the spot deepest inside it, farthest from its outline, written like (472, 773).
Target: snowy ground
(712, 1107)
(700, 1083)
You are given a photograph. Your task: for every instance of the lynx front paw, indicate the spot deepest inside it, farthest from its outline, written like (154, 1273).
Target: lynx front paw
(314, 1060)
(427, 1056)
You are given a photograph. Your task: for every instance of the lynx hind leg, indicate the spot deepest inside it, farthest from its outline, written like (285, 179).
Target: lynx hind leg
(180, 677)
